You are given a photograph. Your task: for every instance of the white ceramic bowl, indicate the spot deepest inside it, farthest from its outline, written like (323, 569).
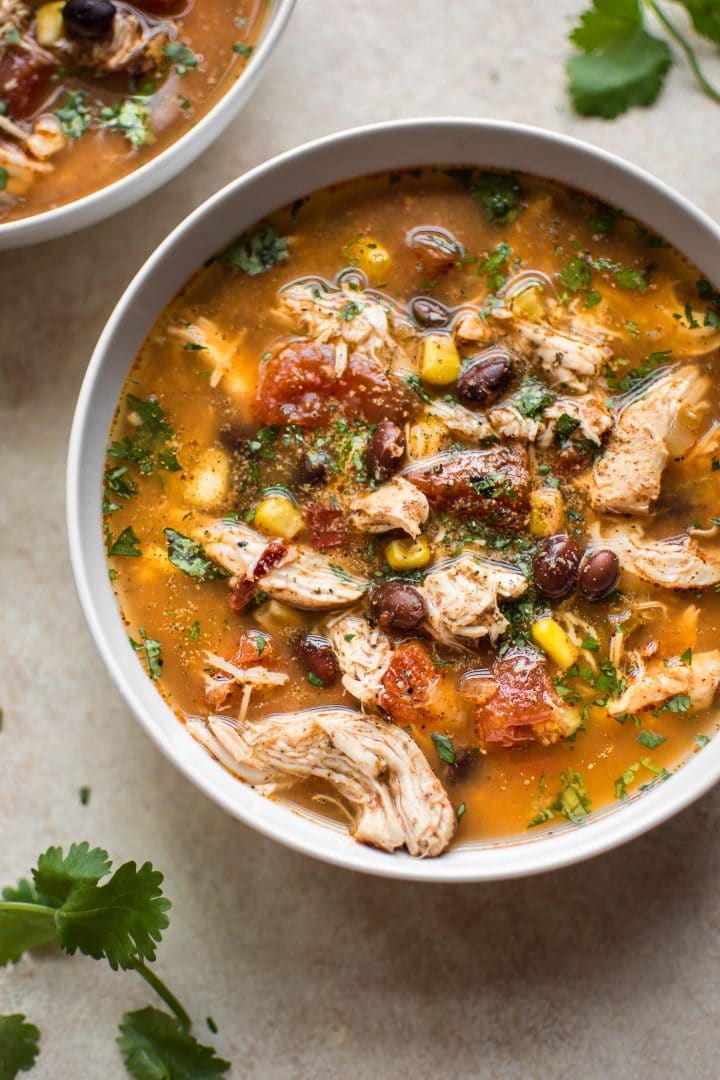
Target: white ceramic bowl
(208, 229)
(133, 187)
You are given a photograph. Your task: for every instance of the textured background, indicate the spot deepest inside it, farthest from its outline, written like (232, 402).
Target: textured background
(608, 968)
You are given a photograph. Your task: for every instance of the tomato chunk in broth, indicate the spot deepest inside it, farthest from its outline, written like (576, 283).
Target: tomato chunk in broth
(440, 447)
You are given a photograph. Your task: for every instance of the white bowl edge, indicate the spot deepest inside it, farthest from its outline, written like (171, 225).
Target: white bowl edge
(395, 145)
(136, 185)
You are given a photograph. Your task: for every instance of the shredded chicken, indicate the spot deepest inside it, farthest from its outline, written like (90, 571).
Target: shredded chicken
(654, 684)
(363, 653)
(376, 767)
(359, 319)
(395, 505)
(462, 598)
(28, 160)
(676, 562)
(628, 476)
(572, 358)
(14, 15)
(593, 419)
(509, 423)
(302, 579)
(130, 49)
(218, 351)
(460, 421)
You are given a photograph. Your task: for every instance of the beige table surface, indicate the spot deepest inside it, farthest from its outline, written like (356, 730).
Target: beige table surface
(600, 970)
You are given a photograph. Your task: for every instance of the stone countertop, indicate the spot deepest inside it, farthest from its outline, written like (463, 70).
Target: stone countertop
(607, 968)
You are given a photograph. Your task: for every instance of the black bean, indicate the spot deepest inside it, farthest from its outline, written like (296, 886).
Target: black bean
(313, 468)
(555, 567)
(397, 606)
(485, 376)
(91, 19)
(428, 312)
(599, 574)
(315, 653)
(385, 450)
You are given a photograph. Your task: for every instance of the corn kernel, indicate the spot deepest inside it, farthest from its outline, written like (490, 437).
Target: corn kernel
(439, 360)
(408, 554)
(552, 639)
(49, 25)
(370, 257)
(426, 438)
(547, 512)
(278, 515)
(531, 303)
(274, 615)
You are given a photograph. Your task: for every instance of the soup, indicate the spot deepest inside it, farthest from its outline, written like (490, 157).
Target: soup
(409, 506)
(92, 89)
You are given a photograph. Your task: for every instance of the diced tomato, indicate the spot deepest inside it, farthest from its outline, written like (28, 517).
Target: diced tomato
(296, 385)
(253, 648)
(245, 588)
(241, 594)
(326, 524)
(367, 391)
(24, 77)
(409, 683)
(300, 385)
(524, 704)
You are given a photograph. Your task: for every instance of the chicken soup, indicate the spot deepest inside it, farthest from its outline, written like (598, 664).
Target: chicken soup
(410, 507)
(92, 89)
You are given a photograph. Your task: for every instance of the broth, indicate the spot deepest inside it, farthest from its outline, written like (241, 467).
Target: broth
(68, 129)
(529, 738)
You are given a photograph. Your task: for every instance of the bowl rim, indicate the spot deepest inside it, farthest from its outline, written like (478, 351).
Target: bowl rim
(521, 856)
(138, 183)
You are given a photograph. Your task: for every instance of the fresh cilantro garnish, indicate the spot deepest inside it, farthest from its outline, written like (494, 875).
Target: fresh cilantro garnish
(349, 311)
(132, 118)
(314, 679)
(12, 36)
(184, 59)
(650, 739)
(590, 644)
(444, 747)
(625, 778)
(686, 656)
(499, 193)
(146, 446)
(77, 902)
(255, 253)
(125, 544)
(491, 266)
(576, 275)
(74, 116)
(194, 632)
(84, 795)
(565, 425)
(415, 384)
(242, 49)
(156, 1046)
(622, 64)
(679, 703)
(152, 650)
(633, 378)
(532, 399)
(701, 739)
(572, 801)
(341, 574)
(461, 811)
(18, 1045)
(3, 177)
(189, 556)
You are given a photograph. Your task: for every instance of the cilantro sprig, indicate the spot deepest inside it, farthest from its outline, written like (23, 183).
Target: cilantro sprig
(621, 64)
(77, 902)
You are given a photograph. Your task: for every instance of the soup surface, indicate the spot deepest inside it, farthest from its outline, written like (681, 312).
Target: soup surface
(91, 89)
(410, 506)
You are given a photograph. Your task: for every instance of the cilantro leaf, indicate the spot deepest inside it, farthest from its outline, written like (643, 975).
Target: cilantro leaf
(74, 116)
(155, 1047)
(444, 747)
(58, 874)
(125, 544)
(189, 556)
(532, 399)
(176, 52)
(255, 253)
(120, 920)
(573, 801)
(132, 118)
(650, 739)
(18, 1045)
(620, 65)
(705, 15)
(152, 650)
(575, 274)
(24, 925)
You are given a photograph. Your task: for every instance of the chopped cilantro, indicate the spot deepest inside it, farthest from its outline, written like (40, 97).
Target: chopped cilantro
(650, 739)
(189, 556)
(349, 311)
(242, 49)
(74, 116)
(131, 118)
(444, 747)
(565, 426)
(532, 399)
(257, 252)
(499, 193)
(679, 703)
(124, 545)
(590, 644)
(461, 811)
(576, 275)
(3, 177)
(414, 382)
(701, 740)
(184, 59)
(152, 650)
(194, 631)
(314, 679)
(84, 795)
